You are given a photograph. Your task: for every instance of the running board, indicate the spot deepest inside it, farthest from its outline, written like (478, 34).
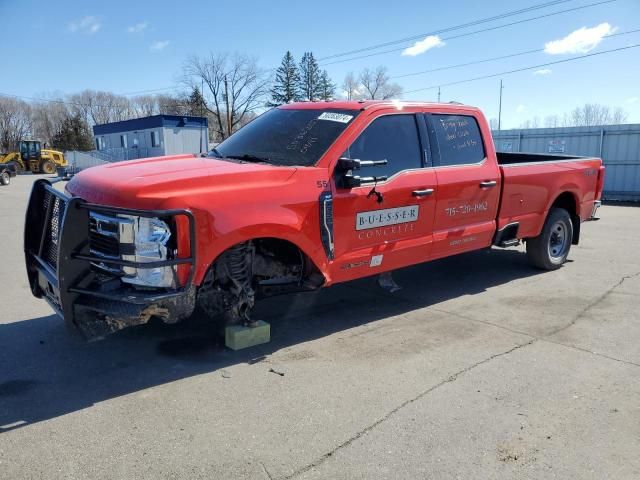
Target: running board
(507, 236)
(509, 243)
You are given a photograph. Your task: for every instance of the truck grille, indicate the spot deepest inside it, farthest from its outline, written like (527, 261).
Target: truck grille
(110, 237)
(103, 239)
(52, 234)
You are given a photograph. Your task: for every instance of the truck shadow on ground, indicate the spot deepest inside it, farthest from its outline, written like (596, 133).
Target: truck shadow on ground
(45, 372)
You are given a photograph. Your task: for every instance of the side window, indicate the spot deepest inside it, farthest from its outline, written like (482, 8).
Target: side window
(155, 141)
(458, 139)
(391, 137)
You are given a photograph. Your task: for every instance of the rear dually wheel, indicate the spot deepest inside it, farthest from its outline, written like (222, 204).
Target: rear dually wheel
(549, 250)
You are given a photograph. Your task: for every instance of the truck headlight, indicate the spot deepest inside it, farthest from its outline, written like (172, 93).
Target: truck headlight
(150, 237)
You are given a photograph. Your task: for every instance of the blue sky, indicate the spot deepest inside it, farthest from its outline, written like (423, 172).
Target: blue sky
(124, 46)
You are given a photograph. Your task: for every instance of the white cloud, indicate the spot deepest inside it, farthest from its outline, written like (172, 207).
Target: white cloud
(632, 100)
(159, 46)
(582, 40)
(543, 71)
(432, 41)
(138, 27)
(88, 24)
(520, 108)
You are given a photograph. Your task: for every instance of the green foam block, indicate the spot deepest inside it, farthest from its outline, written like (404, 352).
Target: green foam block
(237, 337)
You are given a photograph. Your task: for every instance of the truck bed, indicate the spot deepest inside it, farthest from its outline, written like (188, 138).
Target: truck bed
(531, 182)
(505, 158)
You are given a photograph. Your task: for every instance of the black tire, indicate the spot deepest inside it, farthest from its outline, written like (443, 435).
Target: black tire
(5, 178)
(48, 167)
(549, 250)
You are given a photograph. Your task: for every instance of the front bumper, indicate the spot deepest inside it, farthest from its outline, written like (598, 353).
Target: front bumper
(58, 261)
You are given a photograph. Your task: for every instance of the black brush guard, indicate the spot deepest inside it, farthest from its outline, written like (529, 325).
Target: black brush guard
(58, 260)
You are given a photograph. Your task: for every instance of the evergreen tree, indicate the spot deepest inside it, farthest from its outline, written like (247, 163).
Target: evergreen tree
(287, 82)
(73, 134)
(309, 77)
(327, 87)
(196, 104)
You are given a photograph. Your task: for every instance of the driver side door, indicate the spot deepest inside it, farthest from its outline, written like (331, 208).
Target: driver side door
(392, 228)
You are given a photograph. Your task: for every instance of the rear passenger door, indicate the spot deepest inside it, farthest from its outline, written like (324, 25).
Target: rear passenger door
(393, 229)
(468, 185)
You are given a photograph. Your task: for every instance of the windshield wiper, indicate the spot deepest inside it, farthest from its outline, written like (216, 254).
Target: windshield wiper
(249, 158)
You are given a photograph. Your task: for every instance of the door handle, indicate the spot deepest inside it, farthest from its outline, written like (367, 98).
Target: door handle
(422, 193)
(488, 184)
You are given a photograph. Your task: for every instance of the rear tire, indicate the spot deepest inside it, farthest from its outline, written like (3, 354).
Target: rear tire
(48, 167)
(5, 178)
(549, 250)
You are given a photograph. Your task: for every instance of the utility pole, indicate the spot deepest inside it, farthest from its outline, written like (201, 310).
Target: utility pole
(500, 106)
(202, 114)
(438, 94)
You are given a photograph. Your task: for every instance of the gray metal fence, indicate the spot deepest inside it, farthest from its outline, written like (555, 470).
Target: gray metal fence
(81, 160)
(617, 145)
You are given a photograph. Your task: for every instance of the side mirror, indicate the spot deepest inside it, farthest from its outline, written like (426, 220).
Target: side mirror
(351, 181)
(346, 164)
(346, 167)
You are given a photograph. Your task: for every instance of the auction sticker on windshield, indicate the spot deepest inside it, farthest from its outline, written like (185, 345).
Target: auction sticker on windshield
(335, 117)
(389, 216)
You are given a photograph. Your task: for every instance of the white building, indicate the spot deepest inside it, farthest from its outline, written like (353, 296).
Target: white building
(152, 136)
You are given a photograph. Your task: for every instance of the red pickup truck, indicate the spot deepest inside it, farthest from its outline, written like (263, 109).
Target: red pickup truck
(305, 196)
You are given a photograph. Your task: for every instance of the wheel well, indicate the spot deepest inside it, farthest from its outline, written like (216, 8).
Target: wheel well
(253, 269)
(275, 257)
(568, 201)
(276, 261)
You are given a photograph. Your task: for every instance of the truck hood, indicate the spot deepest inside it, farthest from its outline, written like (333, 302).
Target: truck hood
(146, 183)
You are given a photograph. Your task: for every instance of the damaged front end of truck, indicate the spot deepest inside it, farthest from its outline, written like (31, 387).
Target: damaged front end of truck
(106, 268)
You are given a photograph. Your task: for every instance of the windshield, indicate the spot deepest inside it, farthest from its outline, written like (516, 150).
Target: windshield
(286, 137)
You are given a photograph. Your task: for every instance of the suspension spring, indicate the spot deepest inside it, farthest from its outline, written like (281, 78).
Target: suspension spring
(238, 265)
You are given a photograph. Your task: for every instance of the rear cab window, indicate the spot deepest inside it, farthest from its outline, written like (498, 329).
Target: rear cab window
(455, 139)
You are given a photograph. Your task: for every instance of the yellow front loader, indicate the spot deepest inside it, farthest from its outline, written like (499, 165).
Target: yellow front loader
(32, 158)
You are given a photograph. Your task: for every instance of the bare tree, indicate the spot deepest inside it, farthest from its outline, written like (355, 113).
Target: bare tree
(234, 88)
(144, 105)
(350, 86)
(595, 114)
(552, 121)
(47, 118)
(531, 123)
(97, 107)
(619, 115)
(170, 105)
(79, 104)
(377, 85)
(15, 122)
(589, 114)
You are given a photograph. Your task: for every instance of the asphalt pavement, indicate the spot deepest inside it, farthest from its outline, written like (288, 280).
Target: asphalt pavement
(480, 367)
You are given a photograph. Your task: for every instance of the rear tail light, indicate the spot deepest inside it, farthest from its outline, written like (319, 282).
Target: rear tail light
(600, 182)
